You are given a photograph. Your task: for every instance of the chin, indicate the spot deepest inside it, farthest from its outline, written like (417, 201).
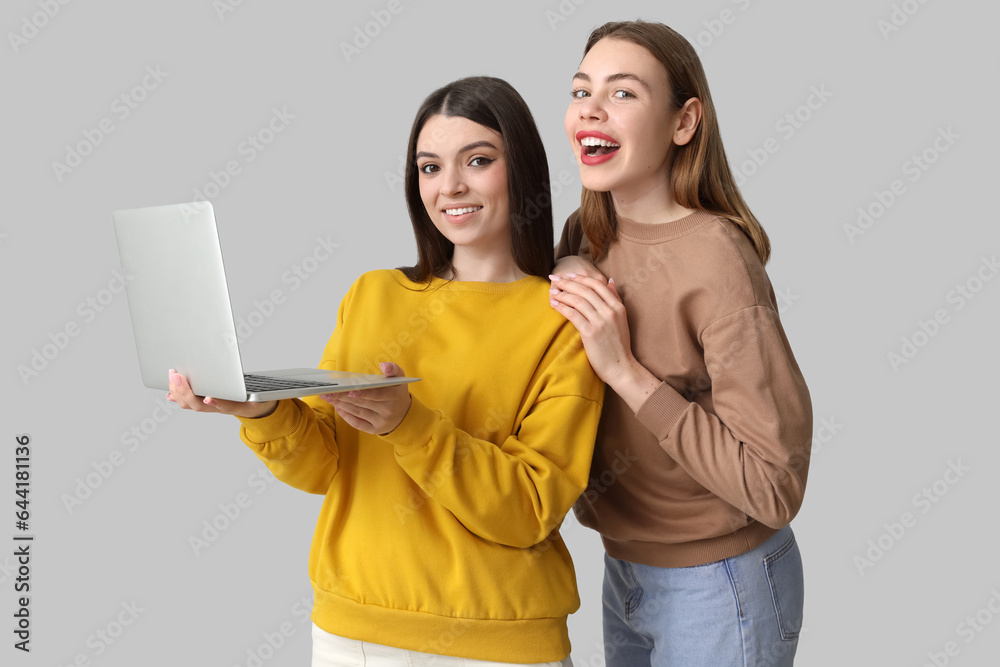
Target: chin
(596, 183)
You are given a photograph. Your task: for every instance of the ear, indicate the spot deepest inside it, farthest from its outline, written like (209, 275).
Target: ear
(688, 119)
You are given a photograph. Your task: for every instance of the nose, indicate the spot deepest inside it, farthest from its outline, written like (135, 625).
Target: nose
(452, 183)
(590, 108)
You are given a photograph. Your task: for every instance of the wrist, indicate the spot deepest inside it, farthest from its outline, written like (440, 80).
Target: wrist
(261, 410)
(635, 384)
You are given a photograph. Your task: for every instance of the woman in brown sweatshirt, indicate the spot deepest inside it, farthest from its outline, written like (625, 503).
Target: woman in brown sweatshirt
(705, 435)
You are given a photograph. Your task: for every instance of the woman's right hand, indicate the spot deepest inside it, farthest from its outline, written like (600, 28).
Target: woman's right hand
(181, 393)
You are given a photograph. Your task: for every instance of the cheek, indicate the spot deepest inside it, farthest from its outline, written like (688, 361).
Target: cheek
(427, 195)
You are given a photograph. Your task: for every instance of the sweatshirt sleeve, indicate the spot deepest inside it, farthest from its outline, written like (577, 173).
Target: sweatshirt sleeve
(516, 493)
(298, 441)
(754, 451)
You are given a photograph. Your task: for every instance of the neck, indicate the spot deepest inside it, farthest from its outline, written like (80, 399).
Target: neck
(649, 205)
(472, 266)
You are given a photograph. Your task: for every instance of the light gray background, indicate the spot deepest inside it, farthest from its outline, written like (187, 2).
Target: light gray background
(331, 174)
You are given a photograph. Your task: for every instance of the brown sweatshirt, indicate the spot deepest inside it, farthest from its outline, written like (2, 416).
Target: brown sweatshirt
(715, 461)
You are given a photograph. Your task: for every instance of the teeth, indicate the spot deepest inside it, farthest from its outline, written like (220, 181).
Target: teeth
(594, 141)
(461, 211)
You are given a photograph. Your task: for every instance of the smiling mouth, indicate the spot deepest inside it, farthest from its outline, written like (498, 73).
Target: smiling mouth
(594, 147)
(462, 211)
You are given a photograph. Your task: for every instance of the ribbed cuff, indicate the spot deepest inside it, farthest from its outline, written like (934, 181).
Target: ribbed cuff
(662, 410)
(415, 429)
(279, 424)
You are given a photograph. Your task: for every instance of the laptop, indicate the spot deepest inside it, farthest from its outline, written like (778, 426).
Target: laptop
(178, 299)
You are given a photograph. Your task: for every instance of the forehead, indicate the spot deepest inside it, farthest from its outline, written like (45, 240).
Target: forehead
(441, 133)
(611, 56)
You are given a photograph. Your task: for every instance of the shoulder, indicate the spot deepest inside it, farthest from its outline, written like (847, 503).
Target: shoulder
(728, 261)
(377, 286)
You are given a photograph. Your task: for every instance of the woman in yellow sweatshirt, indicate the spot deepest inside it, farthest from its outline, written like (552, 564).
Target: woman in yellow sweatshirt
(438, 535)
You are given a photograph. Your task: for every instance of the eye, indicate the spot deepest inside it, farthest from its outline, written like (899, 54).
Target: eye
(623, 95)
(579, 93)
(428, 168)
(480, 162)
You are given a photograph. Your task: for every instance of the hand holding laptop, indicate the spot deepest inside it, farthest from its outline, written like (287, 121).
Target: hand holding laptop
(375, 411)
(181, 393)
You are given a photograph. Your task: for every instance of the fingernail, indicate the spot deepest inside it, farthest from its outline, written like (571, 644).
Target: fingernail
(208, 400)
(170, 397)
(571, 275)
(353, 394)
(553, 302)
(554, 291)
(554, 278)
(611, 281)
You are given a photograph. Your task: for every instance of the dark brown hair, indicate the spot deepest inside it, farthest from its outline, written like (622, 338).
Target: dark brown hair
(492, 103)
(699, 170)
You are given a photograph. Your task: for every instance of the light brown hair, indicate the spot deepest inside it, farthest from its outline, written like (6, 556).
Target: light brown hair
(699, 170)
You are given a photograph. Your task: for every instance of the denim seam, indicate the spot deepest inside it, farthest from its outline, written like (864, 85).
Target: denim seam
(634, 597)
(785, 636)
(739, 608)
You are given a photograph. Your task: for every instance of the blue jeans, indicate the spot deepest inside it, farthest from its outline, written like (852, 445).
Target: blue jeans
(744, 611)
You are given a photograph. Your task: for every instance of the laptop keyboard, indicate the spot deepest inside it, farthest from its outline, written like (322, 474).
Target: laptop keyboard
(255, 383)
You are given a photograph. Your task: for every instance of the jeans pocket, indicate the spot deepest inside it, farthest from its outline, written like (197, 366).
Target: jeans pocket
(784, 576)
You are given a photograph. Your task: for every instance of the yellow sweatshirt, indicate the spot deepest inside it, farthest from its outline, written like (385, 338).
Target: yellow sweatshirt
(442, 536)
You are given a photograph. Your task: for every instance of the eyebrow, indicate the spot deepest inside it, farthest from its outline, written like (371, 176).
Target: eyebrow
(621, 76)
(464, 149)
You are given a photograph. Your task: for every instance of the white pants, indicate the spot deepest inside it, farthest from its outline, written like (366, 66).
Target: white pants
(333, 651)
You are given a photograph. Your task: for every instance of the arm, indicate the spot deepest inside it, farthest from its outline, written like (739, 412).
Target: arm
(514, 494)
(754, 451)
(298, 441)
(280, 433)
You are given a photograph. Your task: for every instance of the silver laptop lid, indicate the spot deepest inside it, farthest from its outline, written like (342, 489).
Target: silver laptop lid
(178, 299)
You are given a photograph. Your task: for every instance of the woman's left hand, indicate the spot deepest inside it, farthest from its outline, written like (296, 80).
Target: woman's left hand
(375, 411)
(596, 310)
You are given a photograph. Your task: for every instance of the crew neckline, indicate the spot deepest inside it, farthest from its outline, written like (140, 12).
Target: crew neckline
(663, 231)
(471, 285)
